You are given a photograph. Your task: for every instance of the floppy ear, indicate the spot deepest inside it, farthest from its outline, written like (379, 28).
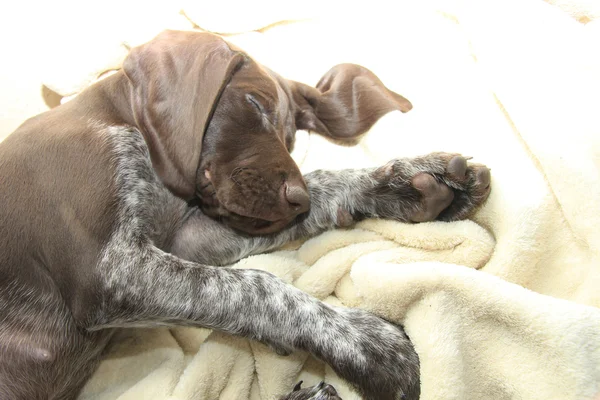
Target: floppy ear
(346, 103)
(176, 80)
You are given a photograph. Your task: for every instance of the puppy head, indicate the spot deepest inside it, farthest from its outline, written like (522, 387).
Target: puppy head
(220, 127)
(247, 177)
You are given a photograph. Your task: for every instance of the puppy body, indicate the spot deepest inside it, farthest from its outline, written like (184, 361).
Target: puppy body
(119, 204)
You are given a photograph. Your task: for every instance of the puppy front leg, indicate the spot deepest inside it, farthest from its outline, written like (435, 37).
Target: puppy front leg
(144, 286)
(436, 186)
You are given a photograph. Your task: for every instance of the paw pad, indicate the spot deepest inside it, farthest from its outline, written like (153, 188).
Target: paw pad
(436, 197)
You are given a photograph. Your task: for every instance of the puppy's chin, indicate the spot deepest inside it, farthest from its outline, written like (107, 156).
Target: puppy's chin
(254, 226)
(249, 225)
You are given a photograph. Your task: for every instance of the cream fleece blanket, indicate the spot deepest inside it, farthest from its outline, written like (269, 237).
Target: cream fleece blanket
(503, 306)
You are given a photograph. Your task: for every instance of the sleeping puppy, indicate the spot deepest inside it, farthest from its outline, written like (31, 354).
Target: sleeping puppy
(119, 206)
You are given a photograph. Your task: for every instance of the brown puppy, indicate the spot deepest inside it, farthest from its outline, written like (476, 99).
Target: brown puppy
(118, 204)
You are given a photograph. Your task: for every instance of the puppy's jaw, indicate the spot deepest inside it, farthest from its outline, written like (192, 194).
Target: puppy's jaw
(234, 216)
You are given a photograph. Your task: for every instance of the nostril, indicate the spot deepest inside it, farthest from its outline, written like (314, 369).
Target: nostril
(297, 195)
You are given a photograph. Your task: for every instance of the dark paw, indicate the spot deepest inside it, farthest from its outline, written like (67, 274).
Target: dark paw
(380, 360)
(322, 391)
(469, 186)
(438, 186)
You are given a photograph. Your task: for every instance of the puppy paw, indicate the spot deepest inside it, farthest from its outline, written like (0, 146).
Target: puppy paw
(322, 391)
(440, 186)
(470, 183)
(377, 358)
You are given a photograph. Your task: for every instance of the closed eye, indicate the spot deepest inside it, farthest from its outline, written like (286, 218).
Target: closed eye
(255, 103)
(259, 106)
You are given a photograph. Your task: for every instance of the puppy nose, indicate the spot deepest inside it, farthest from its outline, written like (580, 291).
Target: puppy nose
(296, 195)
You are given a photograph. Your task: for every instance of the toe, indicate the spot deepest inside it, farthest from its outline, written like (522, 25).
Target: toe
(457, 167)
(483, 177)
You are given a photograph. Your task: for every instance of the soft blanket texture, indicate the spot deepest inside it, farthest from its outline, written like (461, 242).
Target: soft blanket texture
(503, 306)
